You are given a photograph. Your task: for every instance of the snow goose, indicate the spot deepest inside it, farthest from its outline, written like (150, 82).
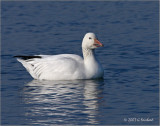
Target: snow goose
(66, 66)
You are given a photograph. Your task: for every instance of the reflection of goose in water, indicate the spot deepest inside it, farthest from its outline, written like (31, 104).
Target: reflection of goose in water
(92, 95)
(63, 102)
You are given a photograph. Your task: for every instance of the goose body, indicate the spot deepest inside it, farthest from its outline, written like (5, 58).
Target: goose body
(66, 66)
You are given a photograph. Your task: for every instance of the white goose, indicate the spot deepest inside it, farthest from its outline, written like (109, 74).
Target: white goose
(66, 66)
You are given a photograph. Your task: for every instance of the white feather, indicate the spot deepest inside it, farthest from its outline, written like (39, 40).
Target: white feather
(65, 66)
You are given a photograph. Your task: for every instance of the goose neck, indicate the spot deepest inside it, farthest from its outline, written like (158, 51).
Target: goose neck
(88, 53)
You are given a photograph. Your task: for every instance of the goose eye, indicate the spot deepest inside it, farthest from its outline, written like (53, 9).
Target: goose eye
(90, 38)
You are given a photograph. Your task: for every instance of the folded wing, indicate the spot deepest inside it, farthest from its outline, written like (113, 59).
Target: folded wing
(56, 67)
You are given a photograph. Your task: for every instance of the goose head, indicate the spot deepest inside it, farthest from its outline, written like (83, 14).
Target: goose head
(90, 41)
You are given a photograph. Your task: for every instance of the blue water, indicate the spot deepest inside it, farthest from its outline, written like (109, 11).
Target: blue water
(129, 92)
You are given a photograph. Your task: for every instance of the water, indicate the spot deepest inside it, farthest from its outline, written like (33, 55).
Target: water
(127, 95)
